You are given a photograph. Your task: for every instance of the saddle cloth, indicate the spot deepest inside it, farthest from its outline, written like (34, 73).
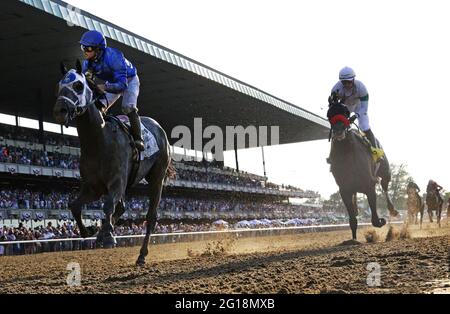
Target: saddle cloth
(377, 153)
(151, 147)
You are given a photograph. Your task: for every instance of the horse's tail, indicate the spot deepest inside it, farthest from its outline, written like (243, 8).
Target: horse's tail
(171, 172)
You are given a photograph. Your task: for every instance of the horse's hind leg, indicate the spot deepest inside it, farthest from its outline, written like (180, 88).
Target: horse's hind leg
(115, 194)
(155, 179)
(422, 208)
(120, 209)
(385, 185)
(372, 198)
(438, 214)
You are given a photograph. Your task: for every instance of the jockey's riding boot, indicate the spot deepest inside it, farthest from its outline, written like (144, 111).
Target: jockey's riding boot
(377, 152)
(371, 138)
(135, 123)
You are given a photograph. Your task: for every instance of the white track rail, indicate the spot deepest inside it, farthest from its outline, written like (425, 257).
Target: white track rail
(303, 229)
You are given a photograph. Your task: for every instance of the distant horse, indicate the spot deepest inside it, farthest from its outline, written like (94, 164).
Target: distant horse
(415, 206)
(354, 168)
(434, 203)
(107, 161)
(448, 210)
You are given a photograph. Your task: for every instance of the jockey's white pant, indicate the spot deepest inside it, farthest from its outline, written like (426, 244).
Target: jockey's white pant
(130, 96)
(362, 110)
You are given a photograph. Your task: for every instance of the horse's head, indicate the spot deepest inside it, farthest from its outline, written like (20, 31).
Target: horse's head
(73, 95)
(339, 117)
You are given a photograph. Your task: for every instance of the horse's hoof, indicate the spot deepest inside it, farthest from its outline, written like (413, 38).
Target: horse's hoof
(140, 262)
(109, 242)
(379, 223)
(84, 233)
(350, 242)
(99, 239)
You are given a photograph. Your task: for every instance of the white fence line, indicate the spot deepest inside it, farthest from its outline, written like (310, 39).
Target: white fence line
(311, 228)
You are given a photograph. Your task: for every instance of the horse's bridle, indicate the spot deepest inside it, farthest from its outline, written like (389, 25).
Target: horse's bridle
(76, 110)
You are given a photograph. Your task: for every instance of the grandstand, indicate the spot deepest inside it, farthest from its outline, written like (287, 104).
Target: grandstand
(39, 172)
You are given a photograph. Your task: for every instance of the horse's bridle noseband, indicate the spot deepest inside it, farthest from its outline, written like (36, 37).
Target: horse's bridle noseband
(76, 110)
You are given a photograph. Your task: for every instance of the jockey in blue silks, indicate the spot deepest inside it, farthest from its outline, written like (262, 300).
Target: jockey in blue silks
(120, 76)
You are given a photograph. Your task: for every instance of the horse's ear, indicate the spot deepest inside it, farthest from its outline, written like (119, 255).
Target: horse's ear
(78, 66)
(63, 68)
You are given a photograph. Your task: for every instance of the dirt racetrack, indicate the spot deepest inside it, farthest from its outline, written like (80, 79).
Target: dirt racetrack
(303, 263)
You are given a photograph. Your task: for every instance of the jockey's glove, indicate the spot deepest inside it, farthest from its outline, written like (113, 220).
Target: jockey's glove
(89, 75)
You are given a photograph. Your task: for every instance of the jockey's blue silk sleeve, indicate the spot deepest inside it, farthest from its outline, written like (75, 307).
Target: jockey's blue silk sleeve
(119, 68)
(84, 66)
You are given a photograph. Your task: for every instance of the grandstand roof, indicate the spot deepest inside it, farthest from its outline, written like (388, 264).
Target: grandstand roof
(36, 36)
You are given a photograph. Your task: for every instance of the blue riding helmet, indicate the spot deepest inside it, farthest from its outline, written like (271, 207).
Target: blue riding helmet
(93, 39)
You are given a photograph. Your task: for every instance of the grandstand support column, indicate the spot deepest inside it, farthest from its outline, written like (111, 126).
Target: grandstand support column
(236, 157)
(264, 162)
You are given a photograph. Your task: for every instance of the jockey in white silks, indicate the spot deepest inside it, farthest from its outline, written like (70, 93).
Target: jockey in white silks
(354, 95)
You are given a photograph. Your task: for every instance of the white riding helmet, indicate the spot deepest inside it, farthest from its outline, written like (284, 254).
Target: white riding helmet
(346, 74)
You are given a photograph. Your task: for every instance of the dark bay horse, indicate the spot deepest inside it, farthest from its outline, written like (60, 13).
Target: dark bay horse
(415, 206)
(106, 159)
(434, 203)
(354, 169)
(448, 210)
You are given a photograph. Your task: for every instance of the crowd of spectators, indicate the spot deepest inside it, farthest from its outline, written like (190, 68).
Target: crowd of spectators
(213, 177)
(27, 199)
(32, 136)
(69, 230)
(58, 199)
(26, 156)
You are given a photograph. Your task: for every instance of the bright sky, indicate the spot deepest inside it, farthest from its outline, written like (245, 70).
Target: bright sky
(294, 50)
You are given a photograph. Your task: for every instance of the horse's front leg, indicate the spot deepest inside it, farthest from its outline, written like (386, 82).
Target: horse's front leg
(87, 195)
(430, 214)
(347, 198)
(438, 214)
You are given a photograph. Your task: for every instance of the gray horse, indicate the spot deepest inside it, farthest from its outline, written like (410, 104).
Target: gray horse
(354, 169)
(107, 158)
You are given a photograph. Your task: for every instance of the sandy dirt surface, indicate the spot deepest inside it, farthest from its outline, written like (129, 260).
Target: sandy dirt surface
(416, 261)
